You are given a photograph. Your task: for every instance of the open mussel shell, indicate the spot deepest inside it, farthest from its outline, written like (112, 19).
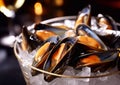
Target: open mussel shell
(59, 57)
(49, 28)
(83, 30)
(29, 40)
(77, 50)
(43, 52)
(106, 22)
(84, 16)
(98, 61)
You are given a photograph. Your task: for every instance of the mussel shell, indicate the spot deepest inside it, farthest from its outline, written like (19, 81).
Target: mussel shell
(107, 60)
(77, 50)
(56, 30)
(113, 41)
(29, 40)
(39, 64)
(81, 49)
(90, 33)
(84, 16)
(118, 62)
(62, 63)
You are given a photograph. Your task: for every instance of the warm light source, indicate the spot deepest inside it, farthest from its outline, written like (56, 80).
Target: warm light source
(7, 12)
(9, 9)
(19, 3)
(38, 8)
(59, 2)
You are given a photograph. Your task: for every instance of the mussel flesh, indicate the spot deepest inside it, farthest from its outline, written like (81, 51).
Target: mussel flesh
(49, 28)
(44, 34)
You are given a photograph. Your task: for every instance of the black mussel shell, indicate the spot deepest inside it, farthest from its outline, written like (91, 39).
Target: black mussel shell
(43, 52)
(118, 62)
(56, 30)
(77, 50)
(29, 40)
(84, 16)
(87, 31)
(81, 49)
(112, 41)
(59, 66)
(98, 61)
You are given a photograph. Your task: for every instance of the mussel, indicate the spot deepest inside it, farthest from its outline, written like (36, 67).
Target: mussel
(84, 17)
(43, 53)
(59, 57)
(88, 37)
(50, 29)
(29, 40)
(98, 61)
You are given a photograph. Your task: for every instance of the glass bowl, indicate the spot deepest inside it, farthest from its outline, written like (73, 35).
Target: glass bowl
(68, 77)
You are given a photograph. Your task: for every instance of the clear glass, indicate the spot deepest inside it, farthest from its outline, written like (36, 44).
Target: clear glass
(70, 76)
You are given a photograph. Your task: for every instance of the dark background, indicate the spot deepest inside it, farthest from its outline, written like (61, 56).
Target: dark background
(10, 73)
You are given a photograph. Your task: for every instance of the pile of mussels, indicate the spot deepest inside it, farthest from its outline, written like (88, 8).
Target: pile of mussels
(78, 47)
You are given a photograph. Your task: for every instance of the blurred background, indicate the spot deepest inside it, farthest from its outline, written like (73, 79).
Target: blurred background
(16, 13)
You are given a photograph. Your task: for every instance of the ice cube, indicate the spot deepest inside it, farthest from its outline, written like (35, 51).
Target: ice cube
(86, 71)
(57, 81)
(69, 23)
(69, 71)
(70, 81)
(38, 80)
(102, 78)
